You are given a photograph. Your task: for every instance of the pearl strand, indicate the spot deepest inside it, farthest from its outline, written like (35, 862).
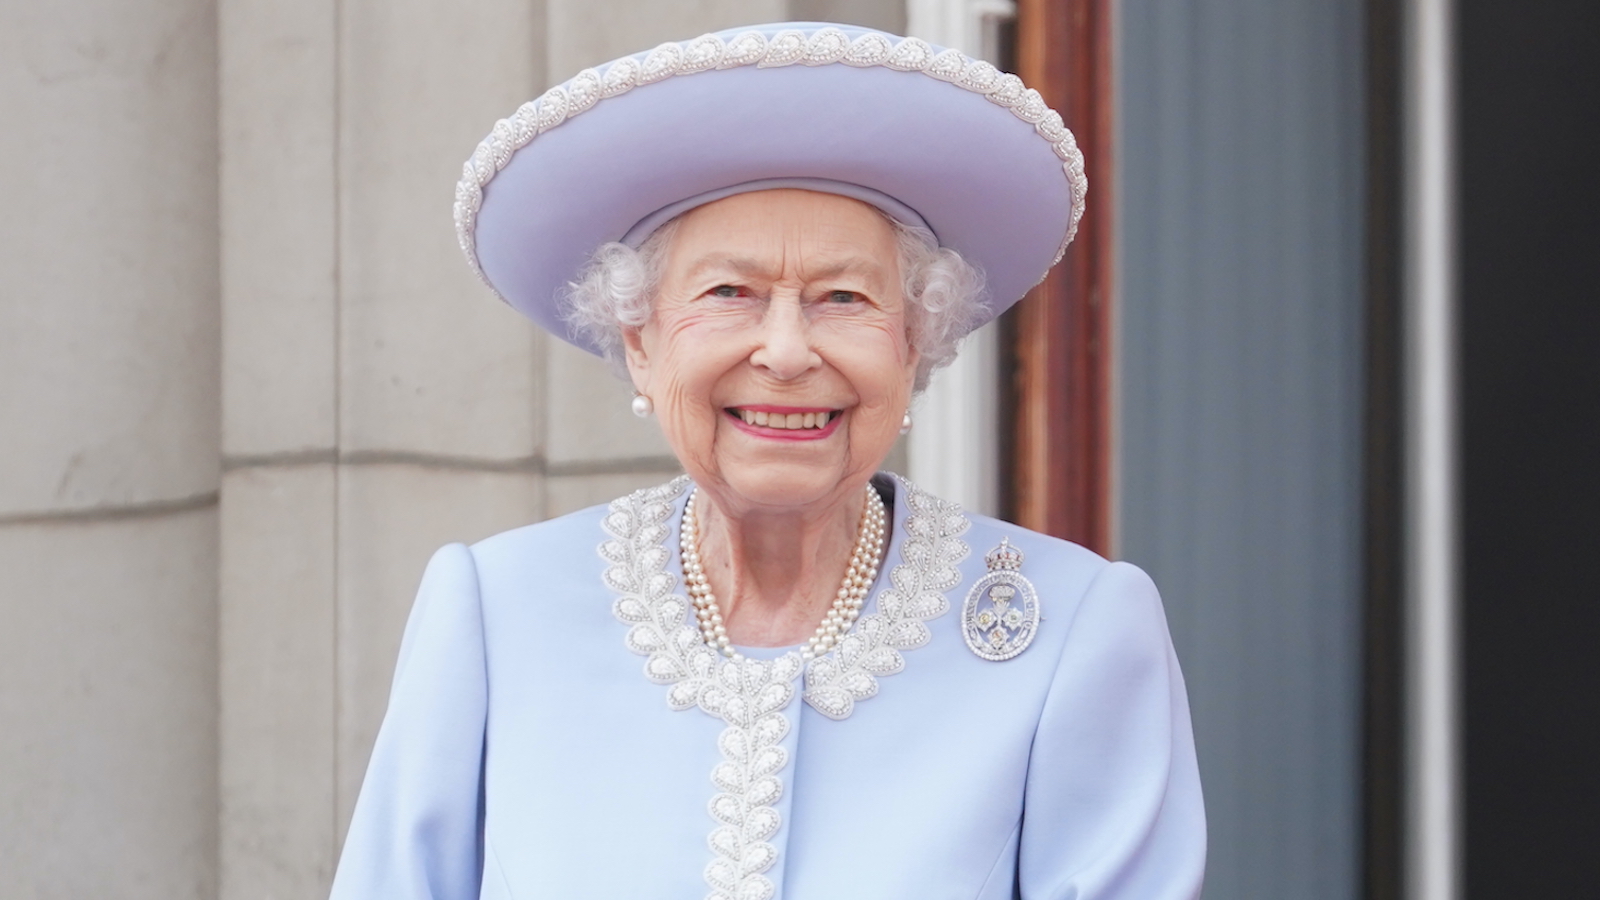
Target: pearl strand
(847, 603)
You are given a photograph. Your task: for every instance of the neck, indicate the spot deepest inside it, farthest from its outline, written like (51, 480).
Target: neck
(775, 574)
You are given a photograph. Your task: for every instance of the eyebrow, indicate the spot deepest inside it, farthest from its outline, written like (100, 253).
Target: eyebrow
(748, 267)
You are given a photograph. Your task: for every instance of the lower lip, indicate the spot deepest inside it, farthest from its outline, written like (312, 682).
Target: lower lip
(786, 434)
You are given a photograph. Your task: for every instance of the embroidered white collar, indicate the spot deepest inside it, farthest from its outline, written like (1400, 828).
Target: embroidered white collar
(750, 694)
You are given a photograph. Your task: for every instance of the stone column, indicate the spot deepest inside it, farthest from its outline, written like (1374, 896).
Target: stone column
(108, 425)
(377, 402)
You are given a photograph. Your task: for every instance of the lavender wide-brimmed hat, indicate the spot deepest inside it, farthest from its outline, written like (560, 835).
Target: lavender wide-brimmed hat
(929, 136)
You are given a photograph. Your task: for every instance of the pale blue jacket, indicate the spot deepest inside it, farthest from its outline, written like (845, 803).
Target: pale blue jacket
(527, 754)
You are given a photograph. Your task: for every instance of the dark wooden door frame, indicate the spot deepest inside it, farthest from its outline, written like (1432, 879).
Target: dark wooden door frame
(1058, 355)
(1058, 340)
(1057, 476)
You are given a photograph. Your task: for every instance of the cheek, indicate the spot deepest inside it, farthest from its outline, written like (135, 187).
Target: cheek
(881, 344)
(877, 359)
(689, 356)
(699, 334)
(686, 349)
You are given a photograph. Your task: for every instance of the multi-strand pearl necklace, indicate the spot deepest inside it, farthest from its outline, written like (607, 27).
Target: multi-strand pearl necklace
(847, 603)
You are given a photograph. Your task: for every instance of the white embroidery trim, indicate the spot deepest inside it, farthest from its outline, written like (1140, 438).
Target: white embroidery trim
(822, 47)
(750, 695)
(930, 550)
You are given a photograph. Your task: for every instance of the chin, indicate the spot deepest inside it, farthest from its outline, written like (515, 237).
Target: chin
(783, 484)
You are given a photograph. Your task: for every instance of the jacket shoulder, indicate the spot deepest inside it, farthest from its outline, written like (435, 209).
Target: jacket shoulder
(557, 561)
(1068, 578)
(1041, 552)
(534, 565)
(541, 536)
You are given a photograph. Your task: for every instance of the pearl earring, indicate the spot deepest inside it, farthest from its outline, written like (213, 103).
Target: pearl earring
(642, 406)
(905, 422)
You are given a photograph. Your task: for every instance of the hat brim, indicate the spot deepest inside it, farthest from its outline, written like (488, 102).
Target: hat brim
(990, 184)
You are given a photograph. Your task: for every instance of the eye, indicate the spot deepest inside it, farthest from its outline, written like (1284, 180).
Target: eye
(726, 290)
(843, 297)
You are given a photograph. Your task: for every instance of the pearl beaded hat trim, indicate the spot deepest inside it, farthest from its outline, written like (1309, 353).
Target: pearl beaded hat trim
(927, 135)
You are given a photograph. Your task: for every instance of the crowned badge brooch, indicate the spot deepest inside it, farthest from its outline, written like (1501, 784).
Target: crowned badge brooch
(1001, 614)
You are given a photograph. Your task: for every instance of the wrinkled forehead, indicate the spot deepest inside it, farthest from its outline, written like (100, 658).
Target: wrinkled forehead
(783, 233)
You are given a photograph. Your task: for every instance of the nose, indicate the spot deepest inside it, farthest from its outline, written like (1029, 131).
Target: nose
(785, 347)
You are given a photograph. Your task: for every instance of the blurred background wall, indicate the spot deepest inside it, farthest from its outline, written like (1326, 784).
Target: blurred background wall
(247, 386)
(1240, 369)
(109, 422)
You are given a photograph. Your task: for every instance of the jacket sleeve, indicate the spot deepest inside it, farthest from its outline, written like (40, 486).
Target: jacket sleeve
(417, 831)
(1113, 809)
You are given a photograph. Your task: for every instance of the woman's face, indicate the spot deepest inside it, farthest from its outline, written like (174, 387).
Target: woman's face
(777, 354)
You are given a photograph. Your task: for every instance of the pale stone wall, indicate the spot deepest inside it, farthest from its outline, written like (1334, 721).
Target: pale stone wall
(377, 401)
(108, 424)
(247, 386)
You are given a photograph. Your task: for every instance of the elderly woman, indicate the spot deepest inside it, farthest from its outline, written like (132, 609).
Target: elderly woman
(850, 688)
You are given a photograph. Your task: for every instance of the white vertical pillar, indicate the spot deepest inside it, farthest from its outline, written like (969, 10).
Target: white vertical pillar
(954, 448)
(1433, 755)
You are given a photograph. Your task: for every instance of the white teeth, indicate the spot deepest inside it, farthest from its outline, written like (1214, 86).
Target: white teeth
(785, 420)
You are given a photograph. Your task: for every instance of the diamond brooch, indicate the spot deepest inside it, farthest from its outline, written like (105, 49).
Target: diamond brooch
(1001, 614)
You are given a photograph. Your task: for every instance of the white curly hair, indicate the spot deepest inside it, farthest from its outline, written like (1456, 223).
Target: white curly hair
(944, 294)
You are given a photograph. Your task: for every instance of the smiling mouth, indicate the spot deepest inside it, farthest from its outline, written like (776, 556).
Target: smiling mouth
(784, 420)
